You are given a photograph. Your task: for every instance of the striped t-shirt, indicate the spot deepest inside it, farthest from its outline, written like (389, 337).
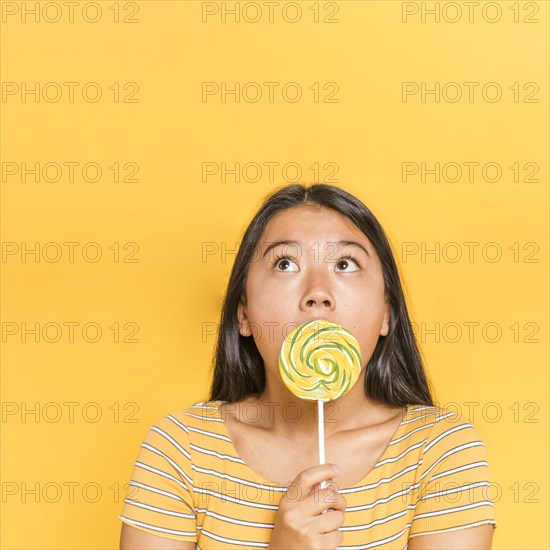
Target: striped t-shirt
(189, 484)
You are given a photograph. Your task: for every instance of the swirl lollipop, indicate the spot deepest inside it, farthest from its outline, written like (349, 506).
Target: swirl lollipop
(319, 361)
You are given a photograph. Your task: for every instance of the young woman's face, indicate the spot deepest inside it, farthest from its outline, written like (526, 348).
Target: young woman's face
(310, 278)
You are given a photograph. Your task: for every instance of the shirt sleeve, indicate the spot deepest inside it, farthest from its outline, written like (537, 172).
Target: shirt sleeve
(160, 498)
(455, 489)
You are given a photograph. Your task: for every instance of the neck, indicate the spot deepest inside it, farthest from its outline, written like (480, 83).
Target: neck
(280, 411)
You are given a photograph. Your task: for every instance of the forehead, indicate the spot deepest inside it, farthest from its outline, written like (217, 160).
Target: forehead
(311, 224)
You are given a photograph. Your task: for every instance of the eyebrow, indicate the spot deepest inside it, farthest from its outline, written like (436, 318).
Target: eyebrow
(339, 243)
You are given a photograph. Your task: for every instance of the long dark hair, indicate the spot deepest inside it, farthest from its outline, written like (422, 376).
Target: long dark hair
(395, 373)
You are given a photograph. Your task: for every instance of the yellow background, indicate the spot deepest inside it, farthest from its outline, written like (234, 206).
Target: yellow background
(172, 292)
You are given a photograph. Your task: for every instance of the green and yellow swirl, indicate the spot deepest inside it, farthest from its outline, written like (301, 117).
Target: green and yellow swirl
(320, 360)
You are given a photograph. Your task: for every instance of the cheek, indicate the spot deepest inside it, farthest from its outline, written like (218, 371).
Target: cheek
(367, 329)
(267, 325)
(366, 311)
(367, 345)
(269, 303)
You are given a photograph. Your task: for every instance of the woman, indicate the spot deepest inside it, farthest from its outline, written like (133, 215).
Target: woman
(240, 469)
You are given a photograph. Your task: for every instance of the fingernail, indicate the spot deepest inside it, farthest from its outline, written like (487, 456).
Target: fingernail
(335, 468)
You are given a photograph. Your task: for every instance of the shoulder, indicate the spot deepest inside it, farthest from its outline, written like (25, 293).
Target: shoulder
(174, 427)
(449, 440)
(443, 429)
(438, 423)
(188, 415)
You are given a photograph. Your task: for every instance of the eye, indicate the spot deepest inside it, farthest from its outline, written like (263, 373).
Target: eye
(345, 260)
(283, 260)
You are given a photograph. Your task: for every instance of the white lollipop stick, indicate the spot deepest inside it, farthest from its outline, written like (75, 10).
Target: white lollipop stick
(321, 431)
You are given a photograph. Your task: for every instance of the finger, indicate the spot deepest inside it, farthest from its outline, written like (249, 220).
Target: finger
(329, 522)
(322, 500)
(305, 481)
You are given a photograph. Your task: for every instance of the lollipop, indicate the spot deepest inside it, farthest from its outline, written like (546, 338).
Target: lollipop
(320, 361)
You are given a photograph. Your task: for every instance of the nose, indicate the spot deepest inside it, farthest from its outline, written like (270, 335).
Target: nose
(317, 297)
(312, 303)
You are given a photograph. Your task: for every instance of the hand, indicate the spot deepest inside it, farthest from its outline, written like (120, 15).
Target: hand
(300, 521)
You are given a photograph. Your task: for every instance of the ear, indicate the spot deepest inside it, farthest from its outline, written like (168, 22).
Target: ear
(242, 316)
(386, 321)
